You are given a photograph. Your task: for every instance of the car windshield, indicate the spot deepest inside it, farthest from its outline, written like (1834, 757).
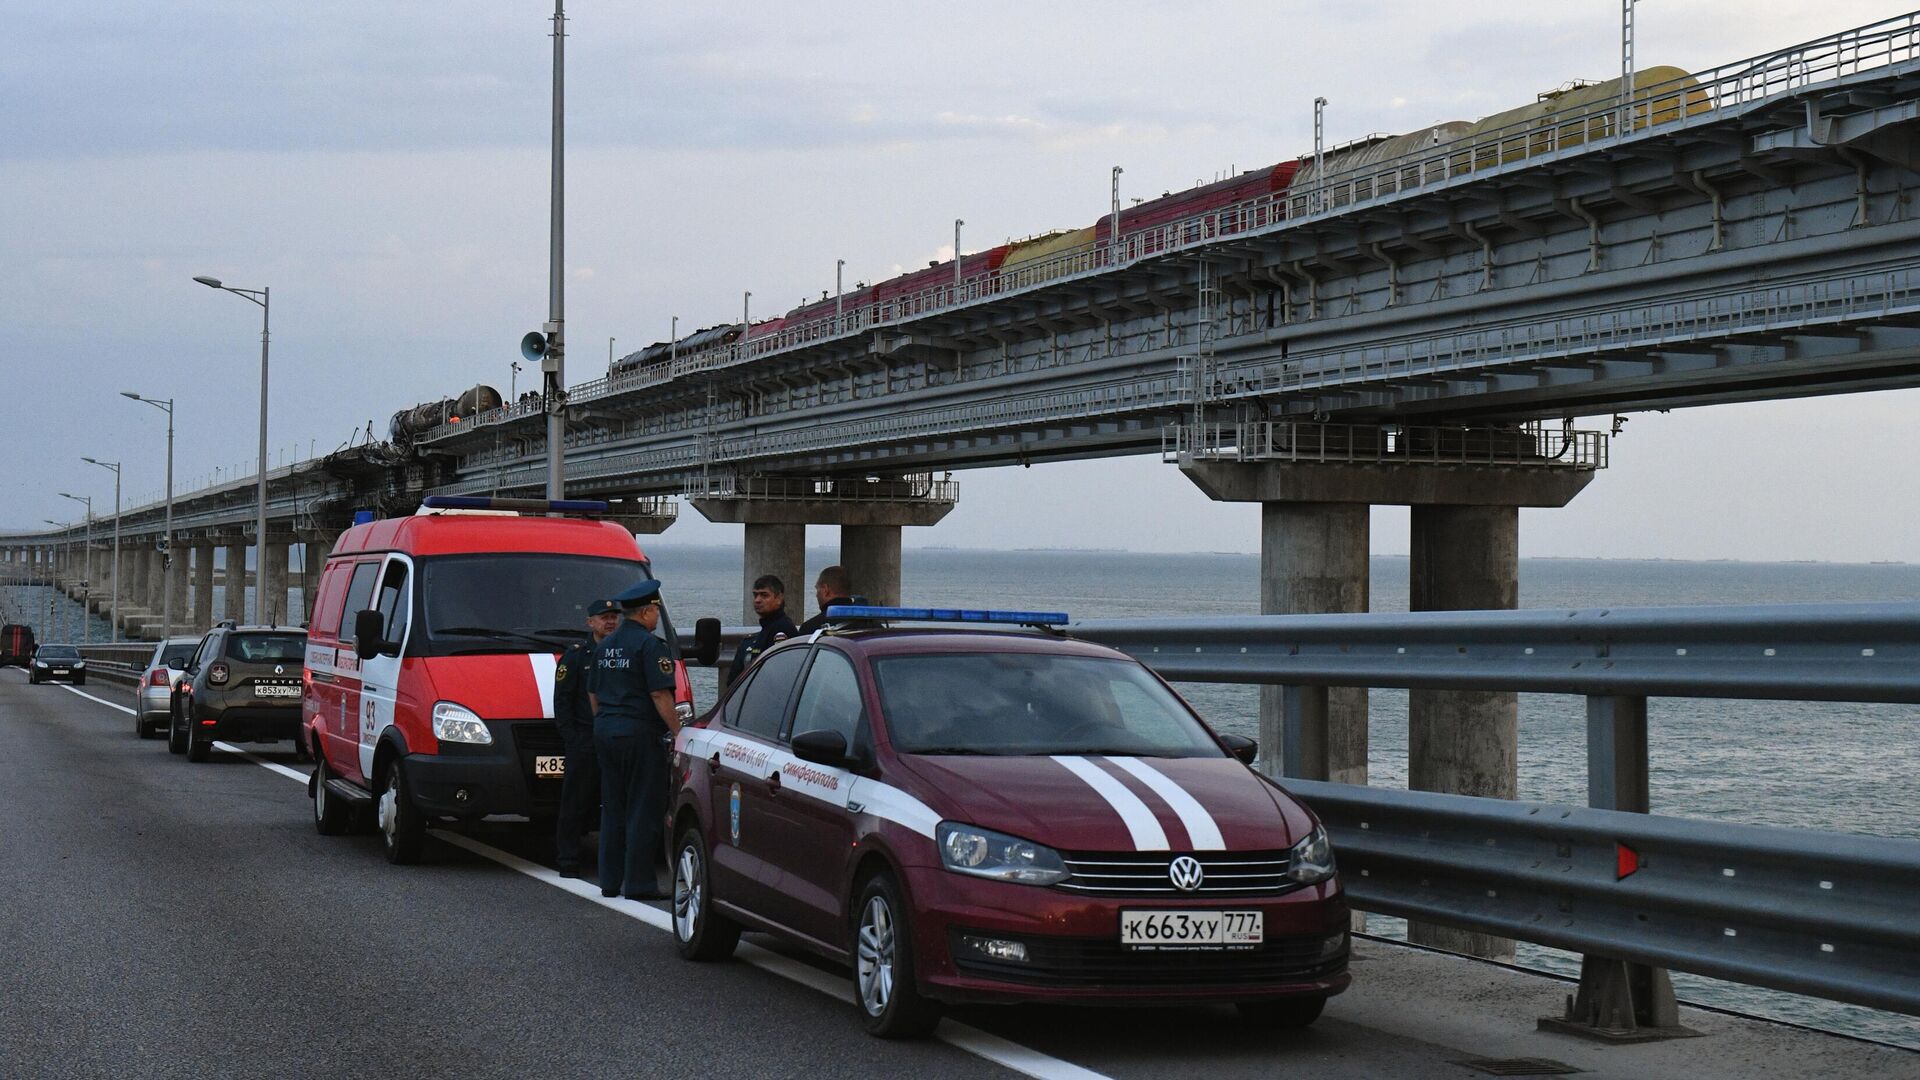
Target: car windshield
(1033, 703)
(58, 652)
(518, 602)
(266, 648)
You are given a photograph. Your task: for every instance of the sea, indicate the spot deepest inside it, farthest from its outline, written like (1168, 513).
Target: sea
(1846, 768)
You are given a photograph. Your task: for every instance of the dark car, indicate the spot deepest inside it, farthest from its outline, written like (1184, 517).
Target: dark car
(57, 662)
(16, 644)
(979, 816)
(243, 684)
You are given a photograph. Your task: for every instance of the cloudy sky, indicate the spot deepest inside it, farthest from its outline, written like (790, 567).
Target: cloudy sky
(383, 167)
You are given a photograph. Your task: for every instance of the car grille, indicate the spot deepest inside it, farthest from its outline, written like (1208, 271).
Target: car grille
(532, 739)
(1225, 873)
(1092, 962)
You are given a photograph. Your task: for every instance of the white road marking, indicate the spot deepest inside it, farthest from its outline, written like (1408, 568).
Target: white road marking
(1141, 824)
(1003, 1052)
(1202, 830)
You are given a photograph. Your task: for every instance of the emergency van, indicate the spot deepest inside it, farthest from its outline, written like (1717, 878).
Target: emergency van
(431, 659)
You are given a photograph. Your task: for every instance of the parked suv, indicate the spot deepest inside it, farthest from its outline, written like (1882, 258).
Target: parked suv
(153, 695)
(242, 684)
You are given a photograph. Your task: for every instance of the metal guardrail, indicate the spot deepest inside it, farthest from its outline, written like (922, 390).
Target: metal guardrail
(1817, 913)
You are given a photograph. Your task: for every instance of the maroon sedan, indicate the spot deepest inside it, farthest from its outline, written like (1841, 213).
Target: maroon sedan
(998, 816)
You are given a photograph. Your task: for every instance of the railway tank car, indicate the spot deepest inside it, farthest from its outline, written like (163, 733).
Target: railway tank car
(407, 424)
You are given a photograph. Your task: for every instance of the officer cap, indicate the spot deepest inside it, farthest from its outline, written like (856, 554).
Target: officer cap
(639, 594)
(602, 607)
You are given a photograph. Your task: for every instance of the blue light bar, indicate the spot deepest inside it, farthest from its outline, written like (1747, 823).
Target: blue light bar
(959, 615)
(525, 506)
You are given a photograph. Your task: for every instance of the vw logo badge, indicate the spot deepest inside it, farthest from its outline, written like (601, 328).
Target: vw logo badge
(279, 669)
(1185, 873)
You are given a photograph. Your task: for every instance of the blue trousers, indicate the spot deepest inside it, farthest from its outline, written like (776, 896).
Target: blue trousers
(633, 800)
(579, 802)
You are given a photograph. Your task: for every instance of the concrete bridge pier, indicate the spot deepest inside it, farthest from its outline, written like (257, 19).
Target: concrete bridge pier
(177, 583)
(776, 535)
(273, 584)
(234, 578)
(201, 616)
(316, 549)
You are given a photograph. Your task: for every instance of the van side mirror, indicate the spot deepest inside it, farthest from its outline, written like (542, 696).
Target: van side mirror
(177, 663)
(1241, 747)
(706, 642)
(821, 748)
(367, 628)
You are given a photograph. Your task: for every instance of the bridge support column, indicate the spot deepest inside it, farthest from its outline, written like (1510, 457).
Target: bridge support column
(177, 589)
(234, 578)
(777, 510)
(273, 585)
(202, 616)
(314, 552)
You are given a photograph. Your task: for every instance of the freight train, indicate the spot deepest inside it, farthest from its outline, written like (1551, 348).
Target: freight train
(408, 423)
(1566, 117)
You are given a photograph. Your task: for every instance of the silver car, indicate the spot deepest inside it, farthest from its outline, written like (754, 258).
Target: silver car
(153, 697)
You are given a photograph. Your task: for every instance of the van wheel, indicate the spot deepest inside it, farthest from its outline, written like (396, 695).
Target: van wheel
(703, 933)
(330, 815)
(883, 982)
(402, 833)
(1284, 1014)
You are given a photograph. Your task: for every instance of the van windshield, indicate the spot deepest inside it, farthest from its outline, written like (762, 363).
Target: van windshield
(532, 602)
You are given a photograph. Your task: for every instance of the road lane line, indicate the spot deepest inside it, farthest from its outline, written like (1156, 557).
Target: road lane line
(965, 1037)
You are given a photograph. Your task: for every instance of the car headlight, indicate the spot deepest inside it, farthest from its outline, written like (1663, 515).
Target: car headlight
(1311, 860)
(39, 663)
(78, 664)
(966, 849)
(457, 723)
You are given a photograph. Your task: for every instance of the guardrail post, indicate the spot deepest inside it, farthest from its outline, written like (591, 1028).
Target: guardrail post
(1303, 734)
(1619, 1001)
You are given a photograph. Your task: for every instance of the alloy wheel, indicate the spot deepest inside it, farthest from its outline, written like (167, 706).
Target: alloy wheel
(876, 956)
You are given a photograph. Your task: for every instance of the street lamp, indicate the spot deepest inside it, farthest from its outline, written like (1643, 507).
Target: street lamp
(956, 259)
(166, 555)
(1319, 154)
(115, 609)
(1113, 241)
(839, 266)
(258, 296)
(86, 587)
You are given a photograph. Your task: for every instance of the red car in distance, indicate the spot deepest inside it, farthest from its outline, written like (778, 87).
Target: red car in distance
(996, 815)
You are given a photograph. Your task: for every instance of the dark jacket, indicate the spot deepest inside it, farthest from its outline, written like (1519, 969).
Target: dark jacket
(772, 628)
(820, 620)
(572, 712)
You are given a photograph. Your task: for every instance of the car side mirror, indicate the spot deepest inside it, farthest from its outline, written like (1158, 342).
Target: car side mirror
(177, 663)
(821, 747)
(706, 642)
(1241, 747)
(367, 627)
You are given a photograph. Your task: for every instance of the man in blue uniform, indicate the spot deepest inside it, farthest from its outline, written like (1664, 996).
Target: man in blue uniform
(633, 723)
(573, 715)
(770, 604)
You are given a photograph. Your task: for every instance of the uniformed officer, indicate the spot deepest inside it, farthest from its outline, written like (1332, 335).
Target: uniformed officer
(833, 588)
(770, 604)
(633, 723)
(573, 715)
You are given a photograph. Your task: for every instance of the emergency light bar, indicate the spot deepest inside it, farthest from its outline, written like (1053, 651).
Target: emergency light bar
(958, 615)
(524, 506)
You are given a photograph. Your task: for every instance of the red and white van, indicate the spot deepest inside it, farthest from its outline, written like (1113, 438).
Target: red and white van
(431, 655)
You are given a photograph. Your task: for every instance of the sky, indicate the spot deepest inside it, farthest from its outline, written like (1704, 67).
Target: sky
(383, 168)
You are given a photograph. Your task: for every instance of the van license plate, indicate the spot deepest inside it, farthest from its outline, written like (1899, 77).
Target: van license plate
(550, 766)
(1176, 931)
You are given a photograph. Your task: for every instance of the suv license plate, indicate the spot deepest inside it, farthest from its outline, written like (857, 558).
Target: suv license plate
(550, 766)
(1176, 931)
(276, 691)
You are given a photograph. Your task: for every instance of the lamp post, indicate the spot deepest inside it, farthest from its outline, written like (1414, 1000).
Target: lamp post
(673, 341)
(1319, 152)
(114, 609)
(86, 585)
(166, 556)
(609, 354)
(553, 366)
(513, 382)
(1624, 122)
(258, 296)
(1113, 241)
(956, 259)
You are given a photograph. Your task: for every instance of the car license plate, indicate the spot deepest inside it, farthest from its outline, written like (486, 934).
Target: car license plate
(1175, 931)
(276, 691)
(550, 766)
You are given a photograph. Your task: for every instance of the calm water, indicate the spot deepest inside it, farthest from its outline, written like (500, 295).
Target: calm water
(1838, 767)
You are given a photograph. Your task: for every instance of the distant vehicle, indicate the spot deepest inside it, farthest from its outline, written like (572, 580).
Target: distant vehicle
(963, 815)
(435, 639)
(16, 644)
(58, 662)
(153, 694)
(242, 684)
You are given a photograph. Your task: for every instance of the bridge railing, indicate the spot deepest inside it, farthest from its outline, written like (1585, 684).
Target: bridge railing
(1815, 913)
(1531, 445)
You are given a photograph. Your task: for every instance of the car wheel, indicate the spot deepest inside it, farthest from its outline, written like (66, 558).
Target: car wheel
(402, 833)
(703, 933)
(197, 749)
(176, 744)
(1281, 1014)
(883, 982)
(330, 816)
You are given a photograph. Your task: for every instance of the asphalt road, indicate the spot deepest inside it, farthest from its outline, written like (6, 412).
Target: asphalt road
(160, 918)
